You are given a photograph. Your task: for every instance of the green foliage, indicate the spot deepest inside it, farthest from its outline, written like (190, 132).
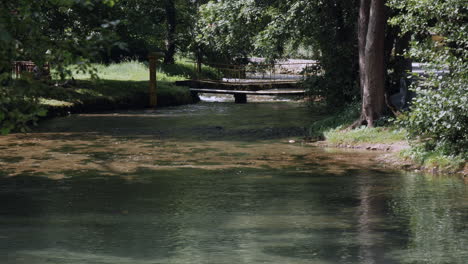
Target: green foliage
(438, 117)
(336, 120)
(55, 32)
(19, 107)
(437, 159)
(227, 29)
(273, 29)
(333, 129)
(330, 28)
(332, 90)
(143, 27)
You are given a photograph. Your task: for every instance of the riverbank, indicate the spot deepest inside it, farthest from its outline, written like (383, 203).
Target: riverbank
(394, 150)
(331, 131)
(120, 86)
(106, 95)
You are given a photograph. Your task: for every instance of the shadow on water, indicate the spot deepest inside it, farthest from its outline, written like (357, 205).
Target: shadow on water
(233, 216)
(206, 121)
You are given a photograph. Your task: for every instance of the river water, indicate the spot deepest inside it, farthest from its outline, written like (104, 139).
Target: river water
(215, 183)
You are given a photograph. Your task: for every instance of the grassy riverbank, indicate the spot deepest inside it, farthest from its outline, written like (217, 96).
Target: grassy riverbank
(332, 131)
(119, 86)
(104, 95)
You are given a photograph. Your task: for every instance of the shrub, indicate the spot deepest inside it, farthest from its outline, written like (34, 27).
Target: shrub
(438, 118)
(19, 107)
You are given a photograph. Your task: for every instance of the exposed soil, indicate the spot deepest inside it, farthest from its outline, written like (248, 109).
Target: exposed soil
(390, 147)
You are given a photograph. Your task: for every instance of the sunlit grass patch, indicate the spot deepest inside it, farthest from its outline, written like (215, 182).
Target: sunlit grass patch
(125, 71)
(365, 135)
(54, 102)
(133, 70)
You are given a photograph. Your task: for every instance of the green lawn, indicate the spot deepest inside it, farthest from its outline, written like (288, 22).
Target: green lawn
(138, 71)
(121, 85)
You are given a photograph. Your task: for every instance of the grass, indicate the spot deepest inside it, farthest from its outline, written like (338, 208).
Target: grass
(385, 135)
(121, 85)
(333, 130)
(139, 71)
(434, 159)
(333, 121)
(111, 94)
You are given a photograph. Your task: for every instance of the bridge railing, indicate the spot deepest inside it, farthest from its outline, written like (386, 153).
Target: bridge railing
(262, 72)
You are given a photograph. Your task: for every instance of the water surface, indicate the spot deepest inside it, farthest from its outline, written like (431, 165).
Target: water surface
(215, 183)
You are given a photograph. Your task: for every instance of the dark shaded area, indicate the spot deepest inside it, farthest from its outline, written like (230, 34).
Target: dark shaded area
(161, 215)
(264, 122)
(112, 95)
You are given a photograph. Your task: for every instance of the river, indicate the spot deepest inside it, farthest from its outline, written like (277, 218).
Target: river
(215, 182)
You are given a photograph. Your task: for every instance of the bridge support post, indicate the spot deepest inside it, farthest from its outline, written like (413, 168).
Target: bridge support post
(240, 98)
(195, 97)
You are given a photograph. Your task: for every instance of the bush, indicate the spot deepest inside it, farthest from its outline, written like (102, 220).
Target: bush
(19, 107)
(333, 89)
(438, 118)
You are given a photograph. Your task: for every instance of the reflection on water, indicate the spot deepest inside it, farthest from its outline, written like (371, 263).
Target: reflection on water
(215, 184)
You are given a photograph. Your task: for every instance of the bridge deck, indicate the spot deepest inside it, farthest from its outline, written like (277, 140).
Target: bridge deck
(241, 89)
(240, 85)
(260, 92)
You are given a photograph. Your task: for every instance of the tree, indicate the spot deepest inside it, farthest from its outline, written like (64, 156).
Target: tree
(243, 28)
(47, 31)
(171, 23)
(227, 29)
(57, 32)
(371, 36)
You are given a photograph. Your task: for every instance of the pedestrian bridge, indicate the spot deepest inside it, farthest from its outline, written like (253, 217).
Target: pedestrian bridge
(240, 91)
(254, 78)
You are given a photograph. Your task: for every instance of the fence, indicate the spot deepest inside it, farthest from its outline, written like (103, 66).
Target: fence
(18, 67)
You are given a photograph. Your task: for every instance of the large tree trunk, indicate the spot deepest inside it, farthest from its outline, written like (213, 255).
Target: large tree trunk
(362, 35)
(371, 37)
(171, 31)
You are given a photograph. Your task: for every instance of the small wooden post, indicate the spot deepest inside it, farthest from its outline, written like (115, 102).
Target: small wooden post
(152, 83)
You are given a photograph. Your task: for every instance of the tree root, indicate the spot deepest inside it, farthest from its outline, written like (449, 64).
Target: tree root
(362, 121)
